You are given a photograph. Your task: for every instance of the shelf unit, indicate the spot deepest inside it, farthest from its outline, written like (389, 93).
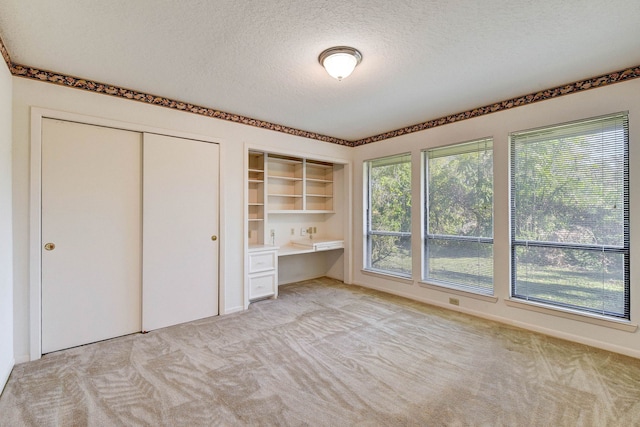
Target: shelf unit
(298, 185)
(255, 199)
(318, 186)
(285, 182)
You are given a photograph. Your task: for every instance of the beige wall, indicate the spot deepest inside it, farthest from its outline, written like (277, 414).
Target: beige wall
(6, 258)
(232, 138)
(609, 99)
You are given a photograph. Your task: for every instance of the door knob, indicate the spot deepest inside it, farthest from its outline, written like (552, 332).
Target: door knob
(49, 246)
(214, 238)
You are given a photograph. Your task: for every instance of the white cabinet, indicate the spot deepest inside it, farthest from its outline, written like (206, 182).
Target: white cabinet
(263, 272)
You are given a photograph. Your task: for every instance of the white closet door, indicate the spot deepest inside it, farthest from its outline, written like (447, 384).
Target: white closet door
(180, 217)
(91, 212)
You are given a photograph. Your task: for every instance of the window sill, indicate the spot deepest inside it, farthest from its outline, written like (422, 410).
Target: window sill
(456, 291)
(388, 276)
(594, 319)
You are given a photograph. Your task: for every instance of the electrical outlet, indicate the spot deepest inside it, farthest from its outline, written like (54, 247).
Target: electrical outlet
(273, 233)
(293, 231)
(454, 301)
(303, 231)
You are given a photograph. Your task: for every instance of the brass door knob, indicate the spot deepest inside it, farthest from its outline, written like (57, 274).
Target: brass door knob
(49, 246)
(214, 238)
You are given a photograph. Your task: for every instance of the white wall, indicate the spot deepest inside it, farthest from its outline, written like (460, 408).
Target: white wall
(6, 257)
(232, 137)
(595, 102)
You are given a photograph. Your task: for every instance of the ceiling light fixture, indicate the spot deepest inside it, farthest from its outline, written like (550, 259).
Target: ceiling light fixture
(340, 61)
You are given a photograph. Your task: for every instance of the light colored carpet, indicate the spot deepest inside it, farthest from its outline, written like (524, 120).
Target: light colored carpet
(328, 354)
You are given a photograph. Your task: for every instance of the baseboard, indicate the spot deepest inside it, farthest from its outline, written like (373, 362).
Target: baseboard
(523, 325)
(5, 375)
(22, 359)
(232, 310)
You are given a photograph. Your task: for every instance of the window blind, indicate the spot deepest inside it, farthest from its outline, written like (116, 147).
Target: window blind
(570, 215)
(458, 241)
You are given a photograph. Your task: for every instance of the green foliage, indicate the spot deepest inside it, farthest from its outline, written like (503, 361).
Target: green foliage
(461, 194)
(568, 190)
(391, 197)
(390, 210)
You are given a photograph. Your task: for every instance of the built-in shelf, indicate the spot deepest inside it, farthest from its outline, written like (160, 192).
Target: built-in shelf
(256, 197)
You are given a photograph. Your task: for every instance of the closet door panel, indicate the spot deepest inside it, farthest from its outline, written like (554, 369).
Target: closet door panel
(180, 217)
(91, 212)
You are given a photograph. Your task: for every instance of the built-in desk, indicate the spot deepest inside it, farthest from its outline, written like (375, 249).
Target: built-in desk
(304, 246)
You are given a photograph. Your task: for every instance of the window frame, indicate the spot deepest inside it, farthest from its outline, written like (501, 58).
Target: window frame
(625, 249)
(426, 236)
(368, 232)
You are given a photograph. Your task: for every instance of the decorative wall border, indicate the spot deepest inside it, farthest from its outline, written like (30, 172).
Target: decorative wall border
(92, 86)
(5, 54)
(103, 88)
(603, 80)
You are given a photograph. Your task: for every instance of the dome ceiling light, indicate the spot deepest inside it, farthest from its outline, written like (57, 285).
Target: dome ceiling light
(340, 61)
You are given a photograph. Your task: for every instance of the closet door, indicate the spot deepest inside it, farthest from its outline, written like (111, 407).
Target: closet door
(180, 222)
(91, 233)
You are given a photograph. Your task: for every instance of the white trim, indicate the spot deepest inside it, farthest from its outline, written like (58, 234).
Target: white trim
(35, 233)
(388, 276)
(527, 326)
(461, 292)
(35, 208)
(565, 313)
(5, 376)
(233, 310)
(291, 153)
(22, 359)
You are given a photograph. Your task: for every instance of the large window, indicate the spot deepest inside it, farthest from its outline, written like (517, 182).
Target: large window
(458, 240)
(388, 215)
(570, 215)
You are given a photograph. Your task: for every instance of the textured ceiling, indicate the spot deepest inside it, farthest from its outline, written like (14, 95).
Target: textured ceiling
(423, 59)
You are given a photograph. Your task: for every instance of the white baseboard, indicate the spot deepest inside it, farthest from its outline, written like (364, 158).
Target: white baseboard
(232, 310)
(528, 326)
(23, 359)
(4, 375)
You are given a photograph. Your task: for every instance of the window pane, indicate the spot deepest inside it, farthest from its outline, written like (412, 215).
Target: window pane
(584, 172)
(389, 215)
(459, 216)
(390, 254)
(461, 192)
(570, 215)
(589, 280)
(391, 197)
(464, 263)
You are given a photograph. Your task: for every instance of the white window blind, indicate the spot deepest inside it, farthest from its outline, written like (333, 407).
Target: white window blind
(570, 215)
(458, 239)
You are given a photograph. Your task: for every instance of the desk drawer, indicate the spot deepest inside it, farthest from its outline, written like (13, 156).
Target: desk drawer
(262, 261)
(262, 285)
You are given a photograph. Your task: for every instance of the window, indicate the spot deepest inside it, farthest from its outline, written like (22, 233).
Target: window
(570, 216)
(388, 215)
(458, 240)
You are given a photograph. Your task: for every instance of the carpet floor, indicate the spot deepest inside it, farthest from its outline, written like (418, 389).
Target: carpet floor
(328, 354)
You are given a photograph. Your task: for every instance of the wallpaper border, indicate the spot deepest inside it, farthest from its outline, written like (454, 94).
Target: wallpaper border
(5, 54)
(107, 89)
(581, 85)
(103, 88)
